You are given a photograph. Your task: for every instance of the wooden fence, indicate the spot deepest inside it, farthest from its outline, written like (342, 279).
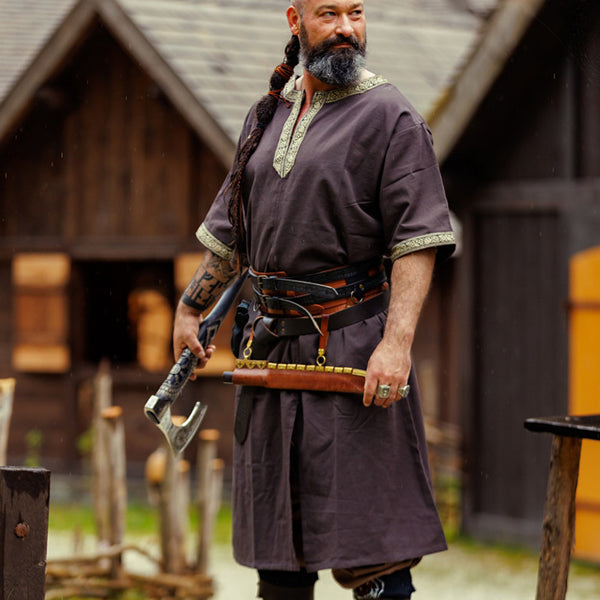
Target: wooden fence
(168, 480)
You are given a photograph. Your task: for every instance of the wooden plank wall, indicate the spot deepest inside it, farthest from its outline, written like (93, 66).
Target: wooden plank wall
(104, 169)
(523, 181)
(108, 158)
(520, 368)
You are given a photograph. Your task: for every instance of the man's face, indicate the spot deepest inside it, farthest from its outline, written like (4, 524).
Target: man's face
(332, 39)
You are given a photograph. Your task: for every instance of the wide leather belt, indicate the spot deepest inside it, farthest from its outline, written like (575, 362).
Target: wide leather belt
(279, 294)
(292, 326)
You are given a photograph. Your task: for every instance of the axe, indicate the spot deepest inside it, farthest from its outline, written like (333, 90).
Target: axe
(158, 406)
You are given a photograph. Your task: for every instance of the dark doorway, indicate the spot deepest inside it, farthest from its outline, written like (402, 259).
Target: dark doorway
(107, 325)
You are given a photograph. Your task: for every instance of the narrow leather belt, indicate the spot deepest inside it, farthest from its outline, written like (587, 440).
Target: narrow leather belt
(293, 326)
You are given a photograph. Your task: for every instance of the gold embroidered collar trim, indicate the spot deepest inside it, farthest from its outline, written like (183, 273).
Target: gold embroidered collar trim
(291, 93)
(291, 139)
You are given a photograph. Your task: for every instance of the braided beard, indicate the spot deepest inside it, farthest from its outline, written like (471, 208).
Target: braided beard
(333, 66)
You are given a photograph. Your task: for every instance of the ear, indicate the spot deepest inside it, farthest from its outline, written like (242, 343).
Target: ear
(293, 17)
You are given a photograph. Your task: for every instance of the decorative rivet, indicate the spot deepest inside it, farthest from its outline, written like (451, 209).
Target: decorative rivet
(22, 530)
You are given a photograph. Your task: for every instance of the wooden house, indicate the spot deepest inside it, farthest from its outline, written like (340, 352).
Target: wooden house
(118, 121)
(518, 138)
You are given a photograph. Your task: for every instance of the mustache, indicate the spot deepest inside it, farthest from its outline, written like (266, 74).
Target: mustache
(326, 45)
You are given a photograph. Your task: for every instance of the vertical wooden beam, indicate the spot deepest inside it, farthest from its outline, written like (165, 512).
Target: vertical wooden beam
(173, 505)
(24, 496)
(103, 398)
(559, 519)
(113, 432)
(7, 390)
(208, 487)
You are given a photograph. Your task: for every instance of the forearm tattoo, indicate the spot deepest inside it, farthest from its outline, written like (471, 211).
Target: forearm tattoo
(210, 280)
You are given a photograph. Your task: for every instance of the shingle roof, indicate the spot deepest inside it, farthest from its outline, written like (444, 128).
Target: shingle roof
(225, 50)
(25, 26)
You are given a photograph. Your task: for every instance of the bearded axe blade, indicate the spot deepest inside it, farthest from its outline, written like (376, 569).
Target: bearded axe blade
(158, 406)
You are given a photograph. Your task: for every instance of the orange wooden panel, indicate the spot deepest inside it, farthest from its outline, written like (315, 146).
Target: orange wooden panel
(587, 533)
(41, 270)
(41, 317)
(584, 392)
(185, 266)
(41, 359)
(41, 312)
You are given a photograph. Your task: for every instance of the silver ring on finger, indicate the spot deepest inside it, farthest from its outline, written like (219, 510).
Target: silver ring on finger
(383, 391)
(403, 391)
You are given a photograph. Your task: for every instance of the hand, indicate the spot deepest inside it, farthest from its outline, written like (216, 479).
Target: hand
(388, 365)
(185, 335)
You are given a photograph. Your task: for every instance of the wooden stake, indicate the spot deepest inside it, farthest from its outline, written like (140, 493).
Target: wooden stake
(7, 390)
(174, 510)
(24, 495)
(559, 519)
(112, 433)
(209, 486)
(100, 474)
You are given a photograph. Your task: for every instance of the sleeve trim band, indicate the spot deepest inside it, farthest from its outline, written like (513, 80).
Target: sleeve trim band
(213, 244)
(429, 240)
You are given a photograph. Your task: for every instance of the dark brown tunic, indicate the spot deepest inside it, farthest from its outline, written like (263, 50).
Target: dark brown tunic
(356, 178)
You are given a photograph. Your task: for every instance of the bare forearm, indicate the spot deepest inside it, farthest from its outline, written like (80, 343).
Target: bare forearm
(411, 278)
(390, 363)
(209, 281)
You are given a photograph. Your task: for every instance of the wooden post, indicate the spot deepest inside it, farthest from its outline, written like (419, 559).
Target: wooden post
(209, 486)
(24, 495)
(559, 519)
(100, 472)
(7, 390)
(112, 434)
(210, 514)
(173, 506)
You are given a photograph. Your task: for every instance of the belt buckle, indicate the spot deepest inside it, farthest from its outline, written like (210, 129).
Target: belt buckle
(358, 295)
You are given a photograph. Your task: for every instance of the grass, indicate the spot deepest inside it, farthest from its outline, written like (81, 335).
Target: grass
(141, 520)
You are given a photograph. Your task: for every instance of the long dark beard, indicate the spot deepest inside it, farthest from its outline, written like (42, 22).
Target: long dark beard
(333, 66)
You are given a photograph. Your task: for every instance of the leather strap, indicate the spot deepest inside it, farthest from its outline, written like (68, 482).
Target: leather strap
(243, 413)
(293, 326)
(317, 288)
(322, 294)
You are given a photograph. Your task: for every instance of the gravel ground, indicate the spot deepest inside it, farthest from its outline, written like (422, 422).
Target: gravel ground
(465, 572)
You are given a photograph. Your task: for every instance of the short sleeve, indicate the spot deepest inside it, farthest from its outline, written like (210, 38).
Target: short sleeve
(216, 232)
(412, 200)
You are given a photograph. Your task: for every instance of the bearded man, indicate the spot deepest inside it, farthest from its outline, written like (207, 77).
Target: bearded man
(334, 177)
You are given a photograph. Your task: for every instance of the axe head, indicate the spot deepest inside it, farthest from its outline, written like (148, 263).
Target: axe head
(178, 436)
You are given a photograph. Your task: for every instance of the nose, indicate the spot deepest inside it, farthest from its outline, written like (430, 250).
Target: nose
(344, 26)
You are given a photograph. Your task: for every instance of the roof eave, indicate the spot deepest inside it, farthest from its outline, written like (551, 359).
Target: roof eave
(497, 43)
(119, 23)
(48, 60)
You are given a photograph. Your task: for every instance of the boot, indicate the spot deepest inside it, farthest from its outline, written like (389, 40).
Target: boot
(269, 591)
